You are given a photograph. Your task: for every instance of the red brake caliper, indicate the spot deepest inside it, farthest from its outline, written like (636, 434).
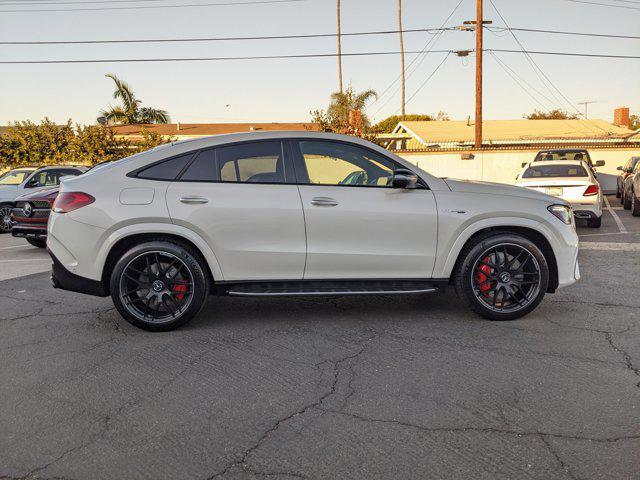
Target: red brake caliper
(179, 288)
(481, 276)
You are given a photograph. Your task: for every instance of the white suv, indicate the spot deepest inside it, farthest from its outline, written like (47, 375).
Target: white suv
(300, 213)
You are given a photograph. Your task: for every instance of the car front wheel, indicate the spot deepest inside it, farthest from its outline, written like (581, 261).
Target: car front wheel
(502, 276)
(159, 285)
(626, 199)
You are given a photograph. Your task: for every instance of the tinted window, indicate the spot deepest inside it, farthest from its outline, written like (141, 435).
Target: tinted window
(329, 163)
(553, 156)
(167, 170)
(202, 169)
(259, 162)
(555, 171)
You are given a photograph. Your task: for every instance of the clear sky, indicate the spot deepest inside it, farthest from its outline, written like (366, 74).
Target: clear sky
(286, 90)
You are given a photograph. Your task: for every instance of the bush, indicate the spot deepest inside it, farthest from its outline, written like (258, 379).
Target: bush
(26, 143)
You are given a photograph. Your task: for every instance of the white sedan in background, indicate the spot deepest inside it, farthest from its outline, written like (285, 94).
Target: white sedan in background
(571, 180)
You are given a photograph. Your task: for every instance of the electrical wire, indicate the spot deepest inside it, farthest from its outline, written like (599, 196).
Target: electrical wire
(214, 39)
(539, 72)
(561, 32)
(428, 78)
(603, 4)
(568, 54)
(138, 7)
(210, 59)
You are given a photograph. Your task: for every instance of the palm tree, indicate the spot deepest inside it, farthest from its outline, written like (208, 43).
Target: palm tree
(344, 102)
(339, 48)
(129, 111)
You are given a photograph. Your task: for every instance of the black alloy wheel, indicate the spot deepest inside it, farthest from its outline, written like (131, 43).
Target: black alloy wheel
(5, 218)
(502, 276)
(159, 286)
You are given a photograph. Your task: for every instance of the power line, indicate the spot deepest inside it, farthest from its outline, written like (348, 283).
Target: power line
(538, 71)
(561, 32)
(27, 2)
(568, 54)
(429, 45)
(426, 80)
(603, 4)
(211, 59)
(216, 39)
(138, 7)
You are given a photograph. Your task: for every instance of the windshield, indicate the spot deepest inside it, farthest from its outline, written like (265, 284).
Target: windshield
(13, 177)
(553, 156)
(546, 171)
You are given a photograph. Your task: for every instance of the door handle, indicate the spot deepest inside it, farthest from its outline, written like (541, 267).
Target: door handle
(324, 202)
(194, 200)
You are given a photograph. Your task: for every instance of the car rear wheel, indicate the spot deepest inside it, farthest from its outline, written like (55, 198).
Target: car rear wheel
(635, 205)
(502, 276)
(618, 190)
(38, 242)
(626, 199)
(159, 286)
(5, 218)
(594, 222)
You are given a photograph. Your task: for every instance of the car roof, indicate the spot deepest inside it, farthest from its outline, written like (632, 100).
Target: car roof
(557, 162)
(49, 167)
(565, 150)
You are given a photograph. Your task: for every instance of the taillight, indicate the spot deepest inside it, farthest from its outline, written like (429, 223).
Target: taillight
(70, 201)
(591, 190)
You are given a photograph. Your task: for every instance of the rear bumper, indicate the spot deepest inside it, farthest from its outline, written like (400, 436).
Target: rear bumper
(65, 280)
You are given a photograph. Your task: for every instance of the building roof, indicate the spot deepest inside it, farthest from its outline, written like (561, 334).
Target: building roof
(426, 134)
(188, 130)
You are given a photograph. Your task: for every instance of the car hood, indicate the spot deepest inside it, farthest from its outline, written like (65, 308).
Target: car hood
(7, 192)
(39, 195)
(489, 188)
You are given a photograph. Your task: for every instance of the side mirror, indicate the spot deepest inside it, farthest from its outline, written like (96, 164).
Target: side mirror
(620, 168)
(404, 178)
(600, 163)
(32, 183)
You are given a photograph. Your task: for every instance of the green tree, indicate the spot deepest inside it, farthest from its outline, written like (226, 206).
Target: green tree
(390, 123)
(555, 114)
(130, 110)
(634, 122)
(336, 117)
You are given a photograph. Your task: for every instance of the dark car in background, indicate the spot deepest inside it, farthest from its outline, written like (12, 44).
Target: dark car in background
(623, 184)
(30, 212)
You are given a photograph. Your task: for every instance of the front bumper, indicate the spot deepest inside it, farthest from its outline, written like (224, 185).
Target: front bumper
(65, 280)
(29, 231)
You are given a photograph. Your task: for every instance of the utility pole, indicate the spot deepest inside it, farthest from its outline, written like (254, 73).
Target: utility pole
(478, 26)
(479, 30)
(402, 56)
(339, 51)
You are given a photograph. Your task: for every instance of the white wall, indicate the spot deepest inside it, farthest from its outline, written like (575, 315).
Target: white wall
(503, 166)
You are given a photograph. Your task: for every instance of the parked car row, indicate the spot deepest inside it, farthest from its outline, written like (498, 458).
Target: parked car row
(629, 186)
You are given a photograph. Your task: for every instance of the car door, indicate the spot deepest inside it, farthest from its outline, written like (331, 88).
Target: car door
(242, 199)
(358, 226)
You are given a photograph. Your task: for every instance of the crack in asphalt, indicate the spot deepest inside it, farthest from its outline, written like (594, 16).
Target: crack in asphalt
(561, 463)
(625, 355)
(489, 430)
(336, 366)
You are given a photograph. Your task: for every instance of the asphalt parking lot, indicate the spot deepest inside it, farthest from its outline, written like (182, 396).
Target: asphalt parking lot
(346, 388)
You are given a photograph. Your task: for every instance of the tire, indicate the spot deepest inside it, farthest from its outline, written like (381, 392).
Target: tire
(594, 222)
(5, 218)
(635, 205)
(618, 190)
(470, 269)
(38, 242)
(626, 200)
(173, 294)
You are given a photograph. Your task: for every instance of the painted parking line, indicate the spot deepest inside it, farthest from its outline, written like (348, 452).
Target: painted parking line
(16, 246)
(615, 216)
(611, 246)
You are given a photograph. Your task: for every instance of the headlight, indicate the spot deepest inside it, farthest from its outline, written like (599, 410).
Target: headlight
(562, 212)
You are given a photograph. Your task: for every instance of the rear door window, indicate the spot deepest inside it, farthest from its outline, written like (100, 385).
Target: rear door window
(256, 162)
(167, 170)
